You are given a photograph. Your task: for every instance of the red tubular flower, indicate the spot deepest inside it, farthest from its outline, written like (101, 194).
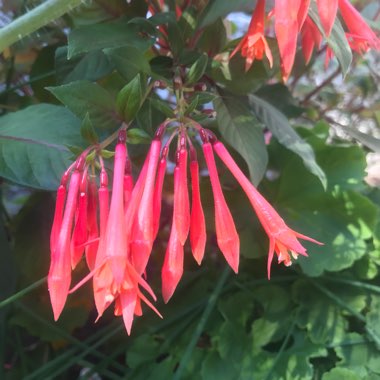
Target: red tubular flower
(181, 213)
(59, 276)
(92, 225)
(79, 237)
(254, 45)
(302, 13)
(158, 192)
(286, 28)
(128, 183)
(327, 10)
(115, 245)
(360, 36)
(281, 238)
(142, 231)
(197, 218)
(58, 214)
(172, 269)
(226, 234)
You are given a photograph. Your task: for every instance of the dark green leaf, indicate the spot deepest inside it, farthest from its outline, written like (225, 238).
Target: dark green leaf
(129, 99)
(197, 70)
(103, 36)
(91, 66)
(278, 124)
(33, 145)
(217, 8)
(83, 97)
(242, 131)
(87, 131)
(129, 61)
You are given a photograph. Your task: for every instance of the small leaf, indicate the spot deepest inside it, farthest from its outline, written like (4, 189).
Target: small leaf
(278, 124)
(162, 106)
(242, 131)
(83, 97)
(369, 141)
(197, 70)
(87, 130)
(340, 373)
(138, 136)
(129, 99)
(33, 143)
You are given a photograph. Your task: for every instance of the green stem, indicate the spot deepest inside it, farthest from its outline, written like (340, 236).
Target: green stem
(28, 23)
(22, 292)
(202, 322)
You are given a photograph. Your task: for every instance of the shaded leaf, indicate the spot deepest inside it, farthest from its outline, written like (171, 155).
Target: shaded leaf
(278, 124)
(129, 99)
(83, 97)
(33, 144)
(242, 131)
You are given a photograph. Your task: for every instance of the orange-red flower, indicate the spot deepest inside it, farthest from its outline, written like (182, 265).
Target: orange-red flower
(254, 45)
(282, 239)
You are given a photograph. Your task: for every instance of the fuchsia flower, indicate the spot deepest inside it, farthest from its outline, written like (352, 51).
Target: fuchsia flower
(254, 45)
(118, 236)
(281, 238)
(290, 18)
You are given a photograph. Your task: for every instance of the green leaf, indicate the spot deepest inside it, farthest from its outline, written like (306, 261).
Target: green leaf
(279, 125)
(83, 97)
(368, 140)
(91, 66)
(321, 316)
(197, 70)
(87, 131)
(242, 131)
(129, 61)
(232, 75)
(217, 8)
(129, 99)
(33, 143)
(103, 36)
(337, 40)
(138, 136)
(340, 374)
(360, 356)
(215, 367)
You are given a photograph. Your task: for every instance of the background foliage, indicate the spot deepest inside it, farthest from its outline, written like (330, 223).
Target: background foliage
(73, 83)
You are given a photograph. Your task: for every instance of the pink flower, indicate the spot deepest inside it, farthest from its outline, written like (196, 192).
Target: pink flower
(282, 239)
(327, 10)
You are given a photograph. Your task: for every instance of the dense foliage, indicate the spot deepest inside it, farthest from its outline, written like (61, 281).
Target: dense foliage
(304, 143)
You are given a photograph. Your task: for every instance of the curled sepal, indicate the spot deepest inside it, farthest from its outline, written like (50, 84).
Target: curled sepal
(197, 218)
(172, 269)
(226, 234)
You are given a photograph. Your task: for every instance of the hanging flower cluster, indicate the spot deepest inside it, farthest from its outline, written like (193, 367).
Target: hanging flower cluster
(116, 236)
(291, 18)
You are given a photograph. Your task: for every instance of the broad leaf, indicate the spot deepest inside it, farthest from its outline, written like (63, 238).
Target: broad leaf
(243, 132)
(91, 66)
(83, 97)
(279, 125)
(33, 145)
(107, 35)
(197, 69)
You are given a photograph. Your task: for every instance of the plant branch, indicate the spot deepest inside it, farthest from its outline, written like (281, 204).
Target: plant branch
(43, 14)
